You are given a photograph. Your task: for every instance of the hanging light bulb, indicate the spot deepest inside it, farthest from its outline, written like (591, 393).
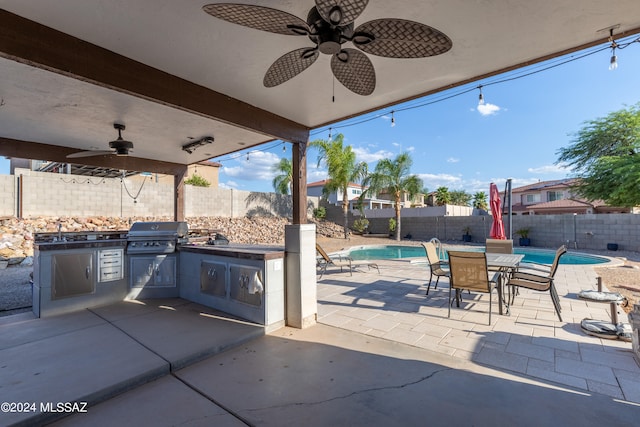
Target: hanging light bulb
(393, 120)
(481, 96)
(247, 157)
(613, 62)
(329, 134)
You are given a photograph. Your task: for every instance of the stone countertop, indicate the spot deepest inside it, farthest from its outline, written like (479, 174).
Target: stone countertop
(234, 250)
(83, 244)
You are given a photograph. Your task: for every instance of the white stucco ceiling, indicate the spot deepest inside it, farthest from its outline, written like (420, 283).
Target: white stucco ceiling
(177, 37)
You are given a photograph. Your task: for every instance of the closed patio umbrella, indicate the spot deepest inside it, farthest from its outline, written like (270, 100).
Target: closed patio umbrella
(497, 226)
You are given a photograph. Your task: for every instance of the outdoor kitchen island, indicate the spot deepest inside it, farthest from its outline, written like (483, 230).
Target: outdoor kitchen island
(152, 260)
(243, 280)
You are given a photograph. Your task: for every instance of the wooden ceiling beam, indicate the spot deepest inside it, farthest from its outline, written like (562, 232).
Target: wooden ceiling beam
(54, 153)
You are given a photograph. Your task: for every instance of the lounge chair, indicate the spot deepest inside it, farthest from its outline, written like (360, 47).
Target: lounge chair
(435, 264)
(469, 271)
(536, 282)
(341, 261)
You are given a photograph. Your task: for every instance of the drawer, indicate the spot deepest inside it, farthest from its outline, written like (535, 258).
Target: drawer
(108, 274)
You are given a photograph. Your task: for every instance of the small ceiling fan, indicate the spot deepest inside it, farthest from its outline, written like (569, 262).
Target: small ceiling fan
(119, 147)
(329, 25)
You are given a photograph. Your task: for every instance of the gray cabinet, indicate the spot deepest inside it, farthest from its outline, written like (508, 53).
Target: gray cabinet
(213, 278)
(153, 271)
(72, 275)
(229, 284)
(240, 278)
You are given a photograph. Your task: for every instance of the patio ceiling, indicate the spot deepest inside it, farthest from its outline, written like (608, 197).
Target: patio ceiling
(170, 72)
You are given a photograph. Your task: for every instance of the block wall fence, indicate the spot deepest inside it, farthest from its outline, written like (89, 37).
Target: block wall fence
(36, 194)
(547, 231)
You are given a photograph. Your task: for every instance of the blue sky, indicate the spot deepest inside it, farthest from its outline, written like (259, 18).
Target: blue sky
(457, 145)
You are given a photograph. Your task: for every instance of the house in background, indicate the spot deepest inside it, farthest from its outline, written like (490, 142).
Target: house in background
(354, 191)
(556, 197)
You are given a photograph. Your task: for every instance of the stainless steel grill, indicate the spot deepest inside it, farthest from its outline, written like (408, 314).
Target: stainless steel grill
(156, 237)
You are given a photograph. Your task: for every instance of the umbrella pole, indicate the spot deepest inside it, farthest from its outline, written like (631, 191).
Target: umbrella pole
(509, 211)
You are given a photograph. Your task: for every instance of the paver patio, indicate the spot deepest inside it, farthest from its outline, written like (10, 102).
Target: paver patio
(530, 341)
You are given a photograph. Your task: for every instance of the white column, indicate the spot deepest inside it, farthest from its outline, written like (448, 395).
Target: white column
(300, 281)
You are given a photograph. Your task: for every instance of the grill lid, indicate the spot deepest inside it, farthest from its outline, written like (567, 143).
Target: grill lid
(158, 230)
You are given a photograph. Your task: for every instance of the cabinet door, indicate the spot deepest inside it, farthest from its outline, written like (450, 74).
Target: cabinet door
(164, 271)
(239, 277)
(213, 277)
(142, 269)
(72, 275)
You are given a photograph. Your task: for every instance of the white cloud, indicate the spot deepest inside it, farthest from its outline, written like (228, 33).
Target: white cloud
(229, 185)
(487, 109)
(363, 154)
(395, 144)
(433, 181)
(258, 167)
(410, 149)
(452, 160)
(550, 169)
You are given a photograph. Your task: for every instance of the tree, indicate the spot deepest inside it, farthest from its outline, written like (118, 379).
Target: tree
(283, 181)
(443, 197)
(605, 155)
(341, 168)
(480, 200)
(460, 198)
(392, 176)
(197, 181)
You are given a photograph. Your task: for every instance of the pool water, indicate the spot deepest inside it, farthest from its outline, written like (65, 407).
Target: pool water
(540, 256)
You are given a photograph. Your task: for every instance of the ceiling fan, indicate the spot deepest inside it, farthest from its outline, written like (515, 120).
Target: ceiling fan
(329, 26)
(119, 147)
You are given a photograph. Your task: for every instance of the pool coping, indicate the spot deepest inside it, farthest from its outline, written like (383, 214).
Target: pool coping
(612, 262)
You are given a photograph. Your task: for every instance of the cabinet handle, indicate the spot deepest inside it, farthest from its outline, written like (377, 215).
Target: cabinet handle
(213, 273)
(87, 272)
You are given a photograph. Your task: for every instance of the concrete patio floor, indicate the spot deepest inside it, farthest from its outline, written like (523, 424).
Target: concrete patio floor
(530, 341)
(383, 353)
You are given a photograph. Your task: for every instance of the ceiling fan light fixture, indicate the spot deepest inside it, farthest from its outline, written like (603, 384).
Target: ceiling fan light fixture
(335, 15)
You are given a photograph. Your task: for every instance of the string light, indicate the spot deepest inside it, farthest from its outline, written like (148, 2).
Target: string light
(247, 157)
(393, 120)
(284, 147)
(481, 96)
(329, 134)
(613, 62)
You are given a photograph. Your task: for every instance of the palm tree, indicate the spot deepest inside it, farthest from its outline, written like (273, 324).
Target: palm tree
(342, 170)
(282, 182)
(480, 200)
(392, 176)
(443, 197)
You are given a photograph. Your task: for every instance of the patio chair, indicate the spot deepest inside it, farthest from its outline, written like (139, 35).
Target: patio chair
(435, 264)
(469, 271)
(498, 246)
(341, 261)
(537, 282)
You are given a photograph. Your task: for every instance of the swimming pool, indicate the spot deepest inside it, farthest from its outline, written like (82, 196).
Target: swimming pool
(540, 256)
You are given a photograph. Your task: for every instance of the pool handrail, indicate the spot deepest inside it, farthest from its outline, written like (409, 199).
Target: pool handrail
(438, 245)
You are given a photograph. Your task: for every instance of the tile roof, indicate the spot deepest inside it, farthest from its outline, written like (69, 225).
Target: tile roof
(558, 183)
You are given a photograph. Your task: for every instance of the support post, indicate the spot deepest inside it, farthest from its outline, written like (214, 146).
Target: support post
(301, 295)
(299, 190)
(178, 191)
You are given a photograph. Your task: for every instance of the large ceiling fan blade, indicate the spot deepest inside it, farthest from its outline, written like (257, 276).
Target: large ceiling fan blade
(399, 38)
(90, 153)
(259, 18)
(340, 12)
(290, 65)
(354, 70)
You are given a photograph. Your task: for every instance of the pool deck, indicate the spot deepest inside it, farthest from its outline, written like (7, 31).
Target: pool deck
(531, 341)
